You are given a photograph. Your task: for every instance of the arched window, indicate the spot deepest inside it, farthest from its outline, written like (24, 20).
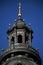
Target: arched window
(12, 40)
(19, 38)
(26, 38)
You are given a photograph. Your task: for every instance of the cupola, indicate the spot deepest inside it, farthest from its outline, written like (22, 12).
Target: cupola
(19, 35)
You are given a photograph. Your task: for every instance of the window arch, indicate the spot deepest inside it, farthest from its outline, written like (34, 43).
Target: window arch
(12, 40)
(19, 38)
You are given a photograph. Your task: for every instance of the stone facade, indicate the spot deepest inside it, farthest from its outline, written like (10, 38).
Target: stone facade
(20, 51)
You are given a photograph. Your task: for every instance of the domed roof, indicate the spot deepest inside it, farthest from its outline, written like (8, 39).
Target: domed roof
(20, 23)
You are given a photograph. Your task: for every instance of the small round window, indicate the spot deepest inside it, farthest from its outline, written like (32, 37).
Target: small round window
(19, 64)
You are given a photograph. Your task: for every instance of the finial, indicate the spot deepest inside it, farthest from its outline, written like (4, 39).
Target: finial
(29, 24)
(9, 25)
(19, 10)
(15, 20)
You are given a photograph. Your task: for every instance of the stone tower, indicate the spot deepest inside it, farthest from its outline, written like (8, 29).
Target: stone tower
(20, 51)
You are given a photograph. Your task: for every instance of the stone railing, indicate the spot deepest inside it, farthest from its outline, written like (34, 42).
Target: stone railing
(20, 45)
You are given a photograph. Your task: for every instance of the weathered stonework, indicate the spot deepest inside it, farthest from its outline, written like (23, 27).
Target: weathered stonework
(20, 51)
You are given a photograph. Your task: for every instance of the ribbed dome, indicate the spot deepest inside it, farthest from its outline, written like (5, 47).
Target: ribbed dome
(20, 23)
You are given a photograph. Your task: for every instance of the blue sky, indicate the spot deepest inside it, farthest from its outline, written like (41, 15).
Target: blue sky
(32, 13)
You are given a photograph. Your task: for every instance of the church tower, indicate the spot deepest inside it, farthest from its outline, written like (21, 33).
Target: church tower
(20, 50)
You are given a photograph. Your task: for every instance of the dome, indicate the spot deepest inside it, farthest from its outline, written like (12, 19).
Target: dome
(20, 23)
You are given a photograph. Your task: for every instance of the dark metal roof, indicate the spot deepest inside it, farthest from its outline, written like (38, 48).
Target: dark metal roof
(19, 24)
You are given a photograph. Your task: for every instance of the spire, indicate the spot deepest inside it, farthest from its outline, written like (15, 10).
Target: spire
(19, 10)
